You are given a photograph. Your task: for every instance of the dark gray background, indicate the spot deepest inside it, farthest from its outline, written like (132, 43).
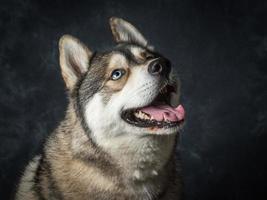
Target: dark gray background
(219, 49)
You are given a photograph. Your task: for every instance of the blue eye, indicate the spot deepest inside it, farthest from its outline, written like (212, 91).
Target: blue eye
(117, 74)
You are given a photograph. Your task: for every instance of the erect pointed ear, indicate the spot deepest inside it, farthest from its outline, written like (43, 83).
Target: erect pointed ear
(123, 31)
(74, 59)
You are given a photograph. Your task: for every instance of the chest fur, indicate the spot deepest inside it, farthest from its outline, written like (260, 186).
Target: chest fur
(143, 160)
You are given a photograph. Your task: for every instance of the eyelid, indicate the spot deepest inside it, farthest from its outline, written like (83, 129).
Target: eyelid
(149, 56)
(121, 69)
(146, 55)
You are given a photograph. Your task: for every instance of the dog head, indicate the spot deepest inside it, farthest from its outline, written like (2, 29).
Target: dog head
(129, 89)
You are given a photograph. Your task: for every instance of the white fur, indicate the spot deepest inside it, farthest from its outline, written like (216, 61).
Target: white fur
(136, 51)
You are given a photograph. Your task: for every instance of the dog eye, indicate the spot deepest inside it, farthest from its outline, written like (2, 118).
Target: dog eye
(117, 74)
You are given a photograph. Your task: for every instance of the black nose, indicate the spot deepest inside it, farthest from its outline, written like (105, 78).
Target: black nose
(159, 66)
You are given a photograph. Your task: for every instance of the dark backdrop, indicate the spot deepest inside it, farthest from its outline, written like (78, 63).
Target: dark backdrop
(219, 49)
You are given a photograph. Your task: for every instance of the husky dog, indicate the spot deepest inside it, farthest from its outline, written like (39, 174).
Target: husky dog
(118, 138)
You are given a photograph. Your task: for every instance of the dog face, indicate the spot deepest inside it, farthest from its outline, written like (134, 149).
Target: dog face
(128, 90)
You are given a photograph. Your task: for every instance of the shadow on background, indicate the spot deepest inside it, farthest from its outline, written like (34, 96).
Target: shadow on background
(218, 48)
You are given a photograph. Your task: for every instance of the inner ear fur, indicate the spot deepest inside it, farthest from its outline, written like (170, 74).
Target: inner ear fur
(74, 59)
(124, 31)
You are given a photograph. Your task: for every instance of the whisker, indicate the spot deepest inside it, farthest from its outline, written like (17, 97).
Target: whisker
(141, 89)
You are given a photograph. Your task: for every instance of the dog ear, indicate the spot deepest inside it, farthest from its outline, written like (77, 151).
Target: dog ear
(74, 59)
(123, 31)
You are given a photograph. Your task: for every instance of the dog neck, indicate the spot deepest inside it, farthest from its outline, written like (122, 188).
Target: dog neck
(143, 161)
(141, 158)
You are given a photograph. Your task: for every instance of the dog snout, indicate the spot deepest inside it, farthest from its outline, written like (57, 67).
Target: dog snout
(159, 67)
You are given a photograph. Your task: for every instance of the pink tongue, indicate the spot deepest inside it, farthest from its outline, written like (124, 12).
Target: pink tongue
(166, 112)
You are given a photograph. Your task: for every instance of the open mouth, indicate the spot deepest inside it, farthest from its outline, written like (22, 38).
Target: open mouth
(163, 112)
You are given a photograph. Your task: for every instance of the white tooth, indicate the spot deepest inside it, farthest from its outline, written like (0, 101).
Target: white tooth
(147, 117)
(165, 119)
(140, 114)
(174, 99)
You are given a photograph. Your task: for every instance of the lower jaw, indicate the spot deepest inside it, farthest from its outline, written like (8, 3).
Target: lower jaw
(155, 126)
(154, 131)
